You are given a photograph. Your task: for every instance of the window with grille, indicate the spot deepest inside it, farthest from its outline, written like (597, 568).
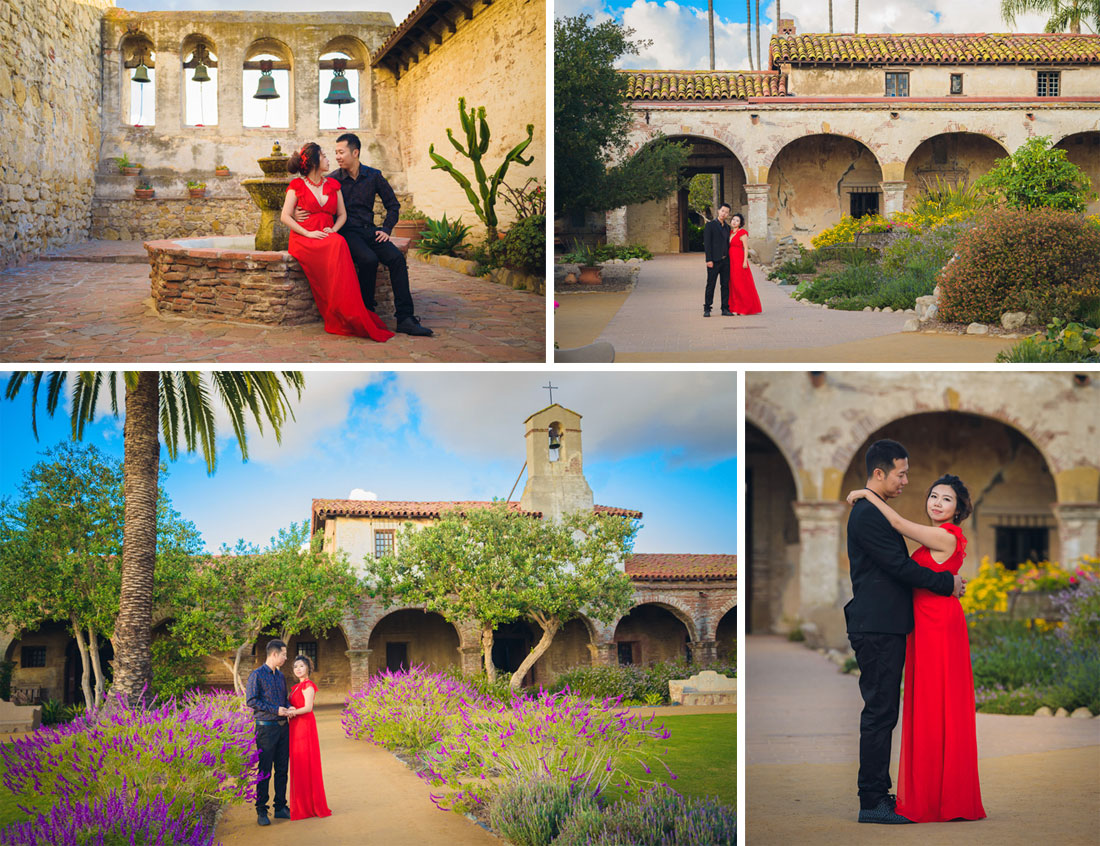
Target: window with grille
(33, 656)
(897, 84)
(383, 542)
(309, 649)
(1049, 83)
(956, 83)
(1019, 544)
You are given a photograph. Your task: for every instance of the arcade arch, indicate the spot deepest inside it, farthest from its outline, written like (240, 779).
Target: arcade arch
(1083, 149)
(653, 632)
(411, 636)
(949, 159)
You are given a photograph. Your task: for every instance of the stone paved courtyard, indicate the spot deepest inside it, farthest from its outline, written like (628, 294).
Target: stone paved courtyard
(89, 303)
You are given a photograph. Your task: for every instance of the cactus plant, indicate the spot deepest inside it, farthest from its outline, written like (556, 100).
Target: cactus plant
(474, 124)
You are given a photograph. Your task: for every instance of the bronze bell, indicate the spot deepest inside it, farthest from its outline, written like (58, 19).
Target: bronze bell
(141, 73)
(201, 73)
(266, 89)
(338, 92)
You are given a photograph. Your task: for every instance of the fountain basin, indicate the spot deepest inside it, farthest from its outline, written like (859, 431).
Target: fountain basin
(226, 278)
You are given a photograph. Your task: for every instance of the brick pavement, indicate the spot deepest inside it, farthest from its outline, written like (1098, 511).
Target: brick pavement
(89, 303)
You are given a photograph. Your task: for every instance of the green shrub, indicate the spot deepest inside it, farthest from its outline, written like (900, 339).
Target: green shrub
(695, 237)
(6, 670)
(525, 245)
(789, 270)
(53, 712)
(530, 811)
(1045, 262)
(660, 817)
(1036, 176)
(643, 684)
(488, 255)
(442, 237)
(174, 673)
(1072, 344)
(1020, 700)
(921, 252)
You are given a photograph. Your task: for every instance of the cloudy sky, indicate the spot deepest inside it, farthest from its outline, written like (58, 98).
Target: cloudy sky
(678, 30)
(662, 443)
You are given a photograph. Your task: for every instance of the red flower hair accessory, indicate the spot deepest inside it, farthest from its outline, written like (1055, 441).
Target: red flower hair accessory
(303, 160)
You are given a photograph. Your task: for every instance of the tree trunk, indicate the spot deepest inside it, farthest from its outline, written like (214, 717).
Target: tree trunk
(830, 15)
(133, 629)
(759, 55)
(710, 26)
(237, 685)
(549, 629)
(748, 29)
(97, 666)
(86, 671)
(487, 653)
(857, 16)
(778, 14)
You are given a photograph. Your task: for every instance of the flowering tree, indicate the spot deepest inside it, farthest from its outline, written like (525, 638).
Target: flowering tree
(495, 565)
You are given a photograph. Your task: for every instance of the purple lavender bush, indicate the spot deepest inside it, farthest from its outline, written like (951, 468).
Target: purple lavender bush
(660, 817)
(530, 811)
(113, 820)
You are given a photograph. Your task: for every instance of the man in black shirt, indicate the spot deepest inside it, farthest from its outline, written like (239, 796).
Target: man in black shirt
(265, 694)
(370, 244)
(716, 248)
(879, 616)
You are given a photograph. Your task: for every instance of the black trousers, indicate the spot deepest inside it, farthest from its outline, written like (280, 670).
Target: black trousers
(367, 255)
(720, 269)
(274, 744)
(881, 659)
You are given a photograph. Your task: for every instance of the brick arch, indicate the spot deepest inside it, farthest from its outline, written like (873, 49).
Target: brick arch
(274, 46)
(673, 605)
(908, 153)
(190, 41)
(763, 417)
(734, 145)
(866, 143)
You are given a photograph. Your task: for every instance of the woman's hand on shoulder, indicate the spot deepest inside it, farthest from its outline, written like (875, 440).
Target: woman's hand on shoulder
(856, 496)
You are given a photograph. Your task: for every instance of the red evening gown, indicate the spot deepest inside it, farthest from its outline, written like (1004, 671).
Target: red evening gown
(938, 773)
(307, 787)
(330, 270)
(743, 296)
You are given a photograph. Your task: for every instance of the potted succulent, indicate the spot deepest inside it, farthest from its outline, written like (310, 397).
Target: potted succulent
(197, 190)
(221, 170)
(144, 191)
(126, 167)
(410, 224)
(591, 273)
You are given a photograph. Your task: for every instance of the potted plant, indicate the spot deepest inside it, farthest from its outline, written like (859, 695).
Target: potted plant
(144, 191)
(591, 272)
(126, 167)
(221, 170)
(197, 190)
(410, 223)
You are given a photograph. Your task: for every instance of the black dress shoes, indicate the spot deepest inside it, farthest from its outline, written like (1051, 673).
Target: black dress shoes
(727, 313)
(262, 819)
(282, 813)
(883, 814)
(411, 326)
(706, 311)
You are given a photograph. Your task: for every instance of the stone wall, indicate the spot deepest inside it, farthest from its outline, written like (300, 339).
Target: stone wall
(157, 218)
(494, 60)
(49, 127)
(935, 80)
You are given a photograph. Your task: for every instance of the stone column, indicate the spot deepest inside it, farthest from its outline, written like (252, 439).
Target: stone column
(471, 659)
(305, 120)
(604, 654)
(1078, 529)
(893, 196)
(704, 651)
(231, 96)
(758, 210)
(360, 666)
(169, 95)
(616, 226)
(819, 551)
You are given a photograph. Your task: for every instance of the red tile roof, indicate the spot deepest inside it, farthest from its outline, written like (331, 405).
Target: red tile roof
(703, 85)
(402, 510)
(934, 49)
(660, 566)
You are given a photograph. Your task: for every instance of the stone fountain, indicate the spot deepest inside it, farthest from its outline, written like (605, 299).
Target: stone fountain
(253, 280)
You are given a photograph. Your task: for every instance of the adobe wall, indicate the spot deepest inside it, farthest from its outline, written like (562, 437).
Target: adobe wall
(49, 128)
(488, 60)
(935, 81)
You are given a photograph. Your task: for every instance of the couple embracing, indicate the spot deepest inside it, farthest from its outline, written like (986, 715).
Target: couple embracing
(905, 611)
(727, 254)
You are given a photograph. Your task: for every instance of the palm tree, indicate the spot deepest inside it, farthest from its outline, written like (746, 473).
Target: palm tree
(157, 403)
(857, 16)
(759, 55)
(1064, 14)
(710, 19)
(830, 15)
(748, 29)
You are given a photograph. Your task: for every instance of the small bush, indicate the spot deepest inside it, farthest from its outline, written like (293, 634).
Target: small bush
(642, 684)
(1075, 343)
(788, 272)
(442, 237)
(173, 673)
(1045, 262)
(1038, 175)
(488, 255)
(531, 811)
(998, 700)
(525, 245)
(661, 817)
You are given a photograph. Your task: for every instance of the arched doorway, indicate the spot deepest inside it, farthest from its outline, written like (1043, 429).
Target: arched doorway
(815, 180)
(409, 637)
(651, 633)
(1083, 149)
(771, 534)
(665, 225)
(512, 642)
(951, 158)
(726, 636)
(1010, 483)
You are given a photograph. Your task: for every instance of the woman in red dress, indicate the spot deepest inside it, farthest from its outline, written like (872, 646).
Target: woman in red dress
(743, 296)
(307, 787)
(322, 253)
(938, 771)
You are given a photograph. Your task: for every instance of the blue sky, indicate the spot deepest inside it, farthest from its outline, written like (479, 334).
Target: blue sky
(662, 443)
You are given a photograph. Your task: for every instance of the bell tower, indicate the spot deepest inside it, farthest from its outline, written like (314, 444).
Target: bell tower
(555, 474)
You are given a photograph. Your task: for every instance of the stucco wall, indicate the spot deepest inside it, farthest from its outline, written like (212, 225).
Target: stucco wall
(935, 81)
(954, 158)
(49, 129)
(494, 60)
(1083, 149)
(653, 225)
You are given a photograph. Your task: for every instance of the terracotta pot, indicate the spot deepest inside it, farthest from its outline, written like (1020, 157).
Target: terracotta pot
(144, 193)
(196, 193)
(410, 229)
(221, 171)
(591, 274)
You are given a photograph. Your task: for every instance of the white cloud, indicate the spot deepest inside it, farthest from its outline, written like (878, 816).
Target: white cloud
(360, 494)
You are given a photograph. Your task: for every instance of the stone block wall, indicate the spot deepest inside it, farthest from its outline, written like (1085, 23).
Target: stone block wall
(124, 220)
(49, 123)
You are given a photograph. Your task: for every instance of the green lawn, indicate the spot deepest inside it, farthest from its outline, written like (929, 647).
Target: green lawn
(702, 752)
(9, 812)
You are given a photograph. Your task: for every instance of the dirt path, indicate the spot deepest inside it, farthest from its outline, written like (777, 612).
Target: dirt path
(1038, 776)
(661, 320)
(375, 800)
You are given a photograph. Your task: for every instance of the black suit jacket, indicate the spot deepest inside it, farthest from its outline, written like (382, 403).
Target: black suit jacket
(883, 575)
(716, 241)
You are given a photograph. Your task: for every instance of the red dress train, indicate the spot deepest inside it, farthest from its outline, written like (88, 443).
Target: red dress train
(938, 772)
(743, 296)
(307, 787)
(329, 268)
